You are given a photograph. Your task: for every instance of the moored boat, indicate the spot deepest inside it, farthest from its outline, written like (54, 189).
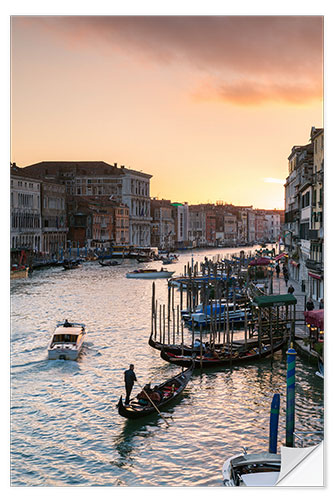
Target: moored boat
(203, 318)
(18, 271)
(108, 263)
(168, 391)
(66, 342)
(188, 350)
(71, 264)
(223, 357)
(149, 274)
(253, 469)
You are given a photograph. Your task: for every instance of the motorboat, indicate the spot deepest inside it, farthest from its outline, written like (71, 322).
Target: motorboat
(253, 469)
(203, 318)
(66, 342)
(149, 274)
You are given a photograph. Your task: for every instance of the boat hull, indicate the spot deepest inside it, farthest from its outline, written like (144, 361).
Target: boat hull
(145, 276)
(250, 356)
(64, 354)
(19, 273)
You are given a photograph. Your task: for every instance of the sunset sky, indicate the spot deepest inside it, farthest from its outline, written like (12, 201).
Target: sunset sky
(210, 106)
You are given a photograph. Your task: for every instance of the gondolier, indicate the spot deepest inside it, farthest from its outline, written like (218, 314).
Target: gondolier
(129, 377)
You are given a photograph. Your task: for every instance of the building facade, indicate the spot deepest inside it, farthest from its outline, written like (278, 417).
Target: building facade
(120, 184)
(180, 215)
(163, 225)
(54, 218)
(25, 211)
(303, 227)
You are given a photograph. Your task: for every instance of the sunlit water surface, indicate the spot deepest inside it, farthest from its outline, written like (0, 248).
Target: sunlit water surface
(65, 428)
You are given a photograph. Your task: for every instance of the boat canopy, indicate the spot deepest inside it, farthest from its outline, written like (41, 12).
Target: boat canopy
(275, 300)
(315, 318)
(260, 261)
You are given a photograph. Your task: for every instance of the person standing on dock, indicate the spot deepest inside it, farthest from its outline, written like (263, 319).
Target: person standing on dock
(277, 269)
(129, 377)
(310, 305)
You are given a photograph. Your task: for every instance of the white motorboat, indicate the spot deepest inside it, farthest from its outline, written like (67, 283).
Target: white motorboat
(149, 274)
(66, 341)
(253, 469)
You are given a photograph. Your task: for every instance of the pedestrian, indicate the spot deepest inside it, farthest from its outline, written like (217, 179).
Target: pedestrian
(321, 303)
(277, 269)
(291, 289)
(310, 305)
(286, 277)
(129, 377)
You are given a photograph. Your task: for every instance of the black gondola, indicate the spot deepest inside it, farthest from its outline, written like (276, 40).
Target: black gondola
(170, 389)
(108, 263)
(188, 350)
(223, 359)
(71, 264)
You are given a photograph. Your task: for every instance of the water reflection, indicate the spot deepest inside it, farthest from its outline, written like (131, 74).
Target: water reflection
(65, 424)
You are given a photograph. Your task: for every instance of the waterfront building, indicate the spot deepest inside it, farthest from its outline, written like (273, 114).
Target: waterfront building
(54, 220)
(292, 212)
(121, 236)
(180, 214)
(303, 228)
(242, 229)
(97, 222)
(163, 225)
(251, 227)
(202, 225)
(230, 229)
(25, 211)
(120, 184)
(315, 263)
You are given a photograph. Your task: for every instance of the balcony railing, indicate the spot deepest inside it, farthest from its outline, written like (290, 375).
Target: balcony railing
(314, 265)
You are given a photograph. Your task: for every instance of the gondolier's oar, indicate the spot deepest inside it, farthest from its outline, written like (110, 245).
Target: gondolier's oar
(158, 411)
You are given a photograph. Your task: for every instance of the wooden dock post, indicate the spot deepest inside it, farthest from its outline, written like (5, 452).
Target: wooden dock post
(201, 347)
(161, 323)
(182, 329)
(260, 331)
(155, 319)
(169, 293)
(173, 326)
(152, 308)
(181, 296)
(178, 319)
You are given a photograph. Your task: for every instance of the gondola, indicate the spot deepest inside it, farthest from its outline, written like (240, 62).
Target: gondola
(71, 264)
(108, 263)
(188, 350)
(171, 389)
(224, 359)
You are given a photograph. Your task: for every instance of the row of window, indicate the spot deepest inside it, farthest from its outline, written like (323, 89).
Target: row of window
(26, 200)
(25, 221)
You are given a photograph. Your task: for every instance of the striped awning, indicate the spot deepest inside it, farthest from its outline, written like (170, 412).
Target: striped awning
(315, 276)
(281, 255)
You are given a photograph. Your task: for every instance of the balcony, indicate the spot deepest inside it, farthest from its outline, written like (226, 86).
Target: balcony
(313, 265)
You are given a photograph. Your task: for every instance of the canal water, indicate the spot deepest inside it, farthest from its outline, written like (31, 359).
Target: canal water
(65, 428)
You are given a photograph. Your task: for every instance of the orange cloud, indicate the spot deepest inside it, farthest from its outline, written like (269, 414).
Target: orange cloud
(248, 59)
(247, 92)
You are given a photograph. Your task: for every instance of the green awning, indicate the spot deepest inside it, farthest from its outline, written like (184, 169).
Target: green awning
(275, 300)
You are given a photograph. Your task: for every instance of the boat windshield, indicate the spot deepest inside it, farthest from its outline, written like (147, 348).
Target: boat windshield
(64, 338)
